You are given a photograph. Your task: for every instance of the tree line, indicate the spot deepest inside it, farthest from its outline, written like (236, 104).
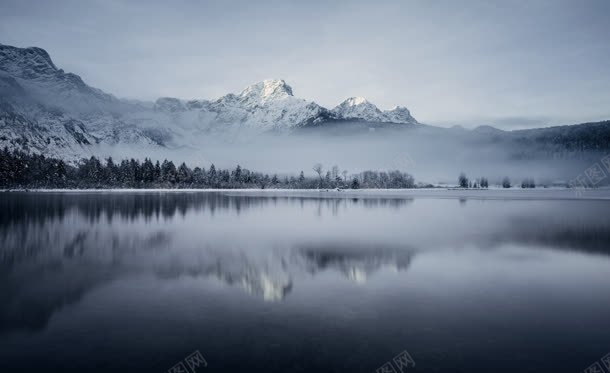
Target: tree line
(23, 170)
(464, 182)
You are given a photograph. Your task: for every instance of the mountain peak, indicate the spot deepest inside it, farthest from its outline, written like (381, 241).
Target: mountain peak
(357, 108)
(26, 63)
(273, 87)
(269, 104)
(35, 71)
(353, 101)
(399, 114)
(267, 90)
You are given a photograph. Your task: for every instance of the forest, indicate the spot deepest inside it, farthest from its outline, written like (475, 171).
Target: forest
(19, 170)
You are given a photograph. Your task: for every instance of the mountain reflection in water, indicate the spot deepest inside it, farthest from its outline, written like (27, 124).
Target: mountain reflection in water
(288, 256)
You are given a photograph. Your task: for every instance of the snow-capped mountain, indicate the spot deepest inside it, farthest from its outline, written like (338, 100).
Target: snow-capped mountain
(36, 72)
(267, 105)
(26, 124)
(359, 108)
(399, 114)
(46, 110)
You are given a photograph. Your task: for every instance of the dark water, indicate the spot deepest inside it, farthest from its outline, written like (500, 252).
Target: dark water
(137, 282)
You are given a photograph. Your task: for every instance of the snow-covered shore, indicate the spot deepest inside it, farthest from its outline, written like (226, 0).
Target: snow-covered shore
(493, 193)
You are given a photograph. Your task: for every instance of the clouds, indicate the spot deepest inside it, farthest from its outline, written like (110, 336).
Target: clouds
(449, 62)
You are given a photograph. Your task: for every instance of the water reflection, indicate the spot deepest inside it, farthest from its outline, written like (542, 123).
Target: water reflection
(39, 207)
(33, 290)
(354, 261)
(58, 249)
(83, 240)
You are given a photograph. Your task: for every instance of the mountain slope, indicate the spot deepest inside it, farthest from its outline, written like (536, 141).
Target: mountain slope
(268, 105)
(46, 110)
(35, 71)
(358, 108)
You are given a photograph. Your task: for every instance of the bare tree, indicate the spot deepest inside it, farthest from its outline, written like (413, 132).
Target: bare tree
(335, 172)
(318, 168)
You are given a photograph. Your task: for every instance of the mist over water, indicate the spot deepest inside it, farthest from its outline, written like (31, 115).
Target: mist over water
(137, 281)
(431, 155)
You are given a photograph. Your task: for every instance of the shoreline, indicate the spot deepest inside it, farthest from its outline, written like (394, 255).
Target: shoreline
(451, 193)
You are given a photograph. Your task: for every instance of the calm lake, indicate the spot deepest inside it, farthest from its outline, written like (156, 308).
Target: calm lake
(139, 281)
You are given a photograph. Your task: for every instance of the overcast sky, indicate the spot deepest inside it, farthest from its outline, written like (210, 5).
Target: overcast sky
(511, 64)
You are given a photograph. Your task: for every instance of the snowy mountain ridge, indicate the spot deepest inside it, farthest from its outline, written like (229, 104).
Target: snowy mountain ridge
(271, 105)
(37, 73)
(46, 110)
(267, 105)
(360, 108)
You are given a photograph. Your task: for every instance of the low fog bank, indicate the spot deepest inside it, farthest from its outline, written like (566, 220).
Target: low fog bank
(430, 154)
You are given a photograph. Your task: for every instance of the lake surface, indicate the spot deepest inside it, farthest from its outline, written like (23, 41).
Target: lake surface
(137, 282)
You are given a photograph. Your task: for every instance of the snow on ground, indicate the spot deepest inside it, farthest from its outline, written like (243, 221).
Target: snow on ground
(512, 193)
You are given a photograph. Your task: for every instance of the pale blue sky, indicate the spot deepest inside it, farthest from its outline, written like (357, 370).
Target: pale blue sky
(511, 64)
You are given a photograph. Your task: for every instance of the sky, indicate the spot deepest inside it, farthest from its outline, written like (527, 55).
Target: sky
(511, 64)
